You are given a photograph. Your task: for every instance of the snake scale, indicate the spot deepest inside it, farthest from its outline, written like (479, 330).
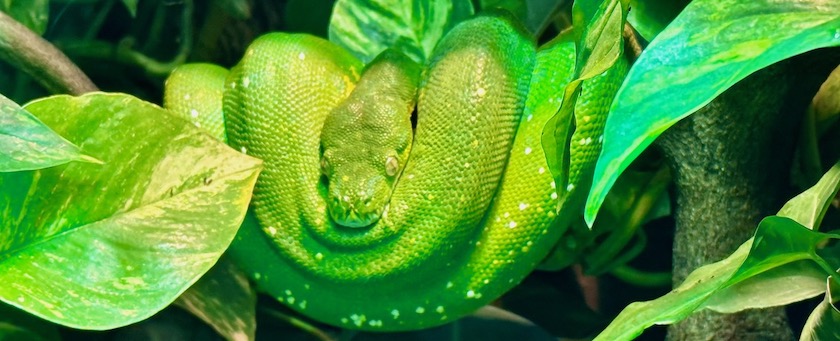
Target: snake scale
(363, 221)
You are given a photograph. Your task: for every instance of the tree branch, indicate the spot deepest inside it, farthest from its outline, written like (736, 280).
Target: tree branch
(37, 57)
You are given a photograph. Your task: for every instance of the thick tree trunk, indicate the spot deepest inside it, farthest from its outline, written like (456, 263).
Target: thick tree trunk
(729, 161)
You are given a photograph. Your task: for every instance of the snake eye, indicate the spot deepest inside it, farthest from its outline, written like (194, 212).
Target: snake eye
(391, 165)
(325, 166)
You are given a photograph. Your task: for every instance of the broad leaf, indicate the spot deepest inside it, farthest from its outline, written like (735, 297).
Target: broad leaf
(27, 144)
(101, 246)
(695, 59)
(33, 14)
(779, 269)
(824, 322)
(778, 286)
(367, 27)
(224, 299)
(778, 242)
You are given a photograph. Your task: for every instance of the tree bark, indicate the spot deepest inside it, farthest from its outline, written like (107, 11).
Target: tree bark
(729, 161)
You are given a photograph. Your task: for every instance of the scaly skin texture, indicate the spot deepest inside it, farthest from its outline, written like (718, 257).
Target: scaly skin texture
(198, 97)
(470, 216)
(366, 140)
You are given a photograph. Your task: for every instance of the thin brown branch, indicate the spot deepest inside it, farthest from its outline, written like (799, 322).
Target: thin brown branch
(37, 57)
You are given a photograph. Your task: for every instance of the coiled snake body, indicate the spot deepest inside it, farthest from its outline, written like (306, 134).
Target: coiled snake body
(433, 224)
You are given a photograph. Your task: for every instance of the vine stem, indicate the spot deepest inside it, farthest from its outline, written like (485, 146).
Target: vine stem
(29, 52)
(124, 52)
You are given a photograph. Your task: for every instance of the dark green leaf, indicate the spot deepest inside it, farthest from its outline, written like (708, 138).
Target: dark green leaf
(677, 304)
(778, 286)
(600, 45)
(649, 17)
(534, 14)
(224, 299)
(100, 246)
(778, 243)
(27, 144)
(695, 59)
(824, 322)
(33, 14)
(367, 27)
(131, 6)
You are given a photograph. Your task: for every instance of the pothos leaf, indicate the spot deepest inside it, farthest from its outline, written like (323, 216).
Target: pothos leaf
(695, 59)
(27, 144)
(98, 246)
(367, 27)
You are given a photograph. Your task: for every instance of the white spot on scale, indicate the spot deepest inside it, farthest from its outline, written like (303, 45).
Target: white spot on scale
(466, 165)
(197, 124)
(193, 113)
(420, 310)
(480, 92)
(530, 117)
(375, 323)
(319, 256)
(302, 304)
(527, 150)
(439, 309)
(21, 299)
(586, 118)
(570, 187)
(554, 195)
(470, 294)
(245, 82)
(301, 56)
(358, 320)
(522, 206)
(582, 141)
(272, 230)
(506, 214)
(187, 97)
(486, 281)
(449, 285)
(600, 138)
(344, 320)
(243, 150)
(288, 292)
(257, 275)
(541, 170)
(395, 313)
(512, 224)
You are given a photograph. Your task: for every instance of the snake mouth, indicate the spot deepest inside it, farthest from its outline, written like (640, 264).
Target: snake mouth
(350, 215)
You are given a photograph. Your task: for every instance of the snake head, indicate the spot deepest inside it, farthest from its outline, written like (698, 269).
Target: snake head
(365, 141)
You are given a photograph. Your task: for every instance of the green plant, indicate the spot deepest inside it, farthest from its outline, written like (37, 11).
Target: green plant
(114, 209)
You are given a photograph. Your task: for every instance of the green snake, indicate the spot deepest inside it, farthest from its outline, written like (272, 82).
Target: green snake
(364, 221)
